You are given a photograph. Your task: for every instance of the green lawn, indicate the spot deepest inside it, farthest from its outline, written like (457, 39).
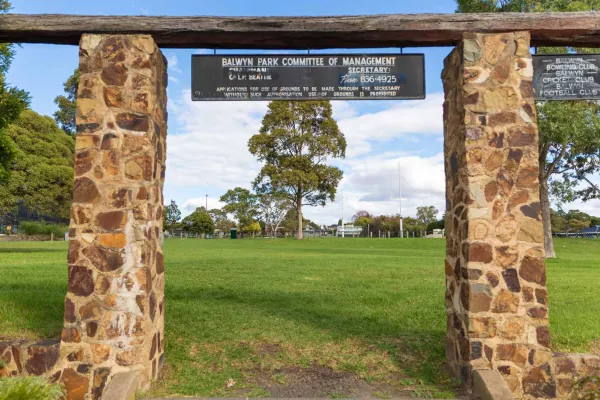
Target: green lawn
(262, 315)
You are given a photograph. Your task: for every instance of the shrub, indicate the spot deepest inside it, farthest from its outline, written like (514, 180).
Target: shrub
(29, 388)
(42, 228)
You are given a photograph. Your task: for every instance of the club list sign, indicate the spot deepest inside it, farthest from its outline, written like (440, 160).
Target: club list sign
(566, 77)
(308, 77)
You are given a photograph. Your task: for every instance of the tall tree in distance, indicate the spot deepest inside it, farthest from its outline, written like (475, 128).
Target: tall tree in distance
(242, 204)
(296, 140)
(222, 223)
(65, 115)
(12, 102)
(569, 145)
(427, 214)
(199, 221)
(42, 171)
(171, 216)
(362, 218)
(273, 210)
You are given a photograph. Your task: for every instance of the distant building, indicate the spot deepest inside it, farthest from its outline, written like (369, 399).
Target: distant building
(349, 230)
(437, 233)
(310, 231)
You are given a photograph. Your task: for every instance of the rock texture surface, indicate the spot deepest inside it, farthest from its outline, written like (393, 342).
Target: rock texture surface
(496, 296)
(495, 254)
(114, 309)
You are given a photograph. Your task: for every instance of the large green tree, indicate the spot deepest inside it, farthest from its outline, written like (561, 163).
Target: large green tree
(171, 216)
(296, 140)
(242, 204)
(222, 222)
(427, 214)
(65, 115)
(272, 210)
(569, 146)
(42, 170)
(199, 222)
(12, 102)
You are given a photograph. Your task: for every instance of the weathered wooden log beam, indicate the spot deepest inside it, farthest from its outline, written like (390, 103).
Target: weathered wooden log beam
(402, 30)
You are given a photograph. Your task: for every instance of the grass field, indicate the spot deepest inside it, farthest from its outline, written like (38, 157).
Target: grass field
(321, 317)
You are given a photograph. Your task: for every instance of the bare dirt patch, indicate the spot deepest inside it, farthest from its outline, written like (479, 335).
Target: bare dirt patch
(320, 381)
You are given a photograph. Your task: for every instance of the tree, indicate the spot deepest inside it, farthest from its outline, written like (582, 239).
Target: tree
(273, 209)
(242, 204)
(576, 225)
(199, 222)
(558, 222)
(576, 214)
(436, 224)
(12, 102)
(483, 6)
(171, 215)
(295, 141)
(65, 115)
(363, 221)
(42, 169)
(252, 228)
(362, 218)
(569, 145)
(427, 214)
(222, 223)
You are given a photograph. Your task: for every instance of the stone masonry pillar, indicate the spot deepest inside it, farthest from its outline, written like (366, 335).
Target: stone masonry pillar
(114, 308)
(496, 298)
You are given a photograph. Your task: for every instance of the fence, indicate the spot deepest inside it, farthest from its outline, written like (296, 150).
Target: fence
(364, 232)
(580, 235)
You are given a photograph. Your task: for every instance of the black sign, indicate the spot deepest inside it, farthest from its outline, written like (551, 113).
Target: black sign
(308, 77)
(566, 77)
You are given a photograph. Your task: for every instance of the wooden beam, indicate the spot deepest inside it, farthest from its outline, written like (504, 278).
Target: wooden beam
(409, 30)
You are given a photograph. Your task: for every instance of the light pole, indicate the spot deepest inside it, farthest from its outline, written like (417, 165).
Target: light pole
(343, 227)
(206, 203)
(400, 200)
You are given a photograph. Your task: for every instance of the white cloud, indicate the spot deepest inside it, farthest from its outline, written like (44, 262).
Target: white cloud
(402, 119)
(210, 151)
(591, 207)
(191, 204)
(212, 147)
(172, 63)
(372, 184)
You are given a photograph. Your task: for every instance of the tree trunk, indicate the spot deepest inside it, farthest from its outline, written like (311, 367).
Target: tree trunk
(545, 203)
(299, 212)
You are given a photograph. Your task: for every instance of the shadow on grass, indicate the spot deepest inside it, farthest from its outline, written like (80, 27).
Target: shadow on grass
(31, 250)
(416, 351)
(35, 311)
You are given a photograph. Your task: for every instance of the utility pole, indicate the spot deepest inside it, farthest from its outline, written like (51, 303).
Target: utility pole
(343, 227)
(401, 233)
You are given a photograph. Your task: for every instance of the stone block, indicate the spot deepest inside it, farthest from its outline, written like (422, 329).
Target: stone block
(490, 385)
(122, 386)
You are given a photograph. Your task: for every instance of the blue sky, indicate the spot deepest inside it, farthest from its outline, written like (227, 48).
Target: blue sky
(206, 145)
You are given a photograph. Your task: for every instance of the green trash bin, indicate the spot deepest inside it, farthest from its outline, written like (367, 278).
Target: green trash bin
(234, 233)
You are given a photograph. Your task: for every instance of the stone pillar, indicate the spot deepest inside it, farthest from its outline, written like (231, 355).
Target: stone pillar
(496, 298)
(114, 308)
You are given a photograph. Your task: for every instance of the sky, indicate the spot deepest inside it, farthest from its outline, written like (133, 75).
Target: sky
(390, 143)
